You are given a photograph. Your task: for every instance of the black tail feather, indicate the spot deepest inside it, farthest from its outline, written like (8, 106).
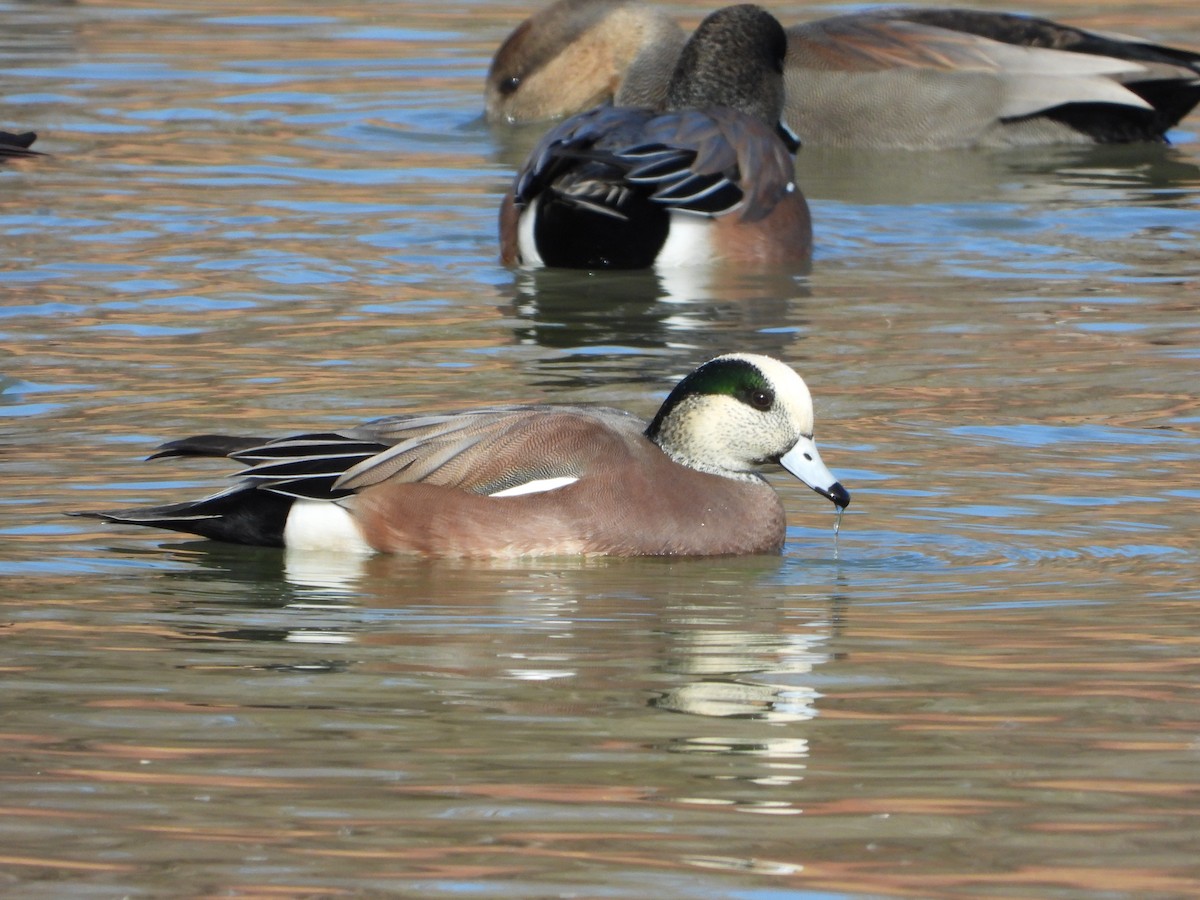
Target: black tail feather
(208, 445)
(17, 145)
(1172, 97)
(1113, 123)
(242, 515)
(1172, 100)
(254, 511)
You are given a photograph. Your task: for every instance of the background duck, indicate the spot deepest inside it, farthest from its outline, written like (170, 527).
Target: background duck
(527, 480)
(705, 174)
(908, 78)
(17, 145)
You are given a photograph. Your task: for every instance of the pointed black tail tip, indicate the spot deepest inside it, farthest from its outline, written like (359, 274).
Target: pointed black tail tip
(18, 144)
(89, 514)
(839, 496)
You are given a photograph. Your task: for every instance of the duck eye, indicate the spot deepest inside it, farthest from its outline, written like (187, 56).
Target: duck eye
(510, 85)
(762, 399)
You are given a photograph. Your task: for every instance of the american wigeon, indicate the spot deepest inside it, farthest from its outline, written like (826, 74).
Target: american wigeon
(910, 78)
(526, 480)
(707, 173)
(17, 145)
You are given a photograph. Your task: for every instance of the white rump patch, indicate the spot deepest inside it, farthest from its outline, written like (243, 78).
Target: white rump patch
(689, 241)
(538, 486)
(323, 526)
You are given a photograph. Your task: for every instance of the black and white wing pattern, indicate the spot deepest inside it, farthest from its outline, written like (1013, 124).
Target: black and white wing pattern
(709, 162)
(477, 451)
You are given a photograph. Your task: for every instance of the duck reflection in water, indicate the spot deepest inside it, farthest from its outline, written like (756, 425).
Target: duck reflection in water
(650, 310)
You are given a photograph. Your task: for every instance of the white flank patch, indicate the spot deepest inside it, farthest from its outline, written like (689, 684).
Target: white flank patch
(689, 241)
(526, 245)
(538, 486)
(323, 526)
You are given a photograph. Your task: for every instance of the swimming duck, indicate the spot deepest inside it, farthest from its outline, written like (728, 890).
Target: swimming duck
(897, 77)
(705, 173)
(510, 481)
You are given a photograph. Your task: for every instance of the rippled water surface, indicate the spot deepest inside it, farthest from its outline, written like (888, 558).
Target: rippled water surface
(268, 216)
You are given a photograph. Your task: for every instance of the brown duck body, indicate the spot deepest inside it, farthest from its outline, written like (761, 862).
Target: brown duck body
(565, 209)
(703, 172)
(603, 513)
